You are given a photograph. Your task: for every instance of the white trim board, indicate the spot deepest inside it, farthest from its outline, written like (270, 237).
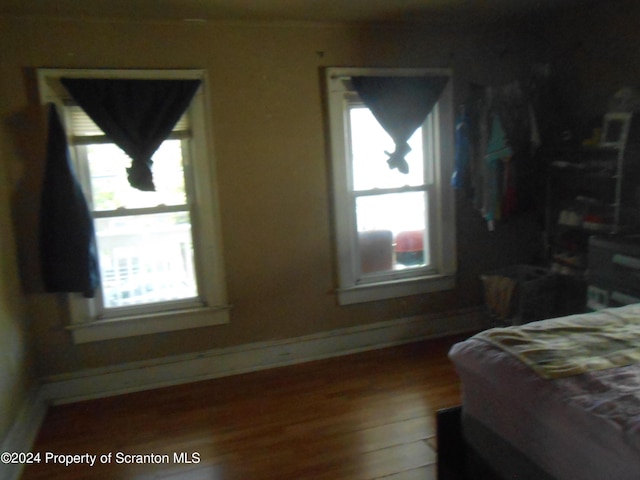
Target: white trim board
(146, 375)
(23, 431)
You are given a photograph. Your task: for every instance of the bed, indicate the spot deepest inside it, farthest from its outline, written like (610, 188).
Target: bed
(555, 399)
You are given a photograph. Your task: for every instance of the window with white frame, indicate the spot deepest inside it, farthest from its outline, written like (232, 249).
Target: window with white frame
(159, 252)
(395, 232)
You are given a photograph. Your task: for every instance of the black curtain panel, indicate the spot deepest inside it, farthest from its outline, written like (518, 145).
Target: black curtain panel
(137, 115)
(401, 105)
(67, 242)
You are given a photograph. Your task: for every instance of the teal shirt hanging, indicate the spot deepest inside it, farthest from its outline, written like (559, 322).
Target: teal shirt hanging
(497, 149)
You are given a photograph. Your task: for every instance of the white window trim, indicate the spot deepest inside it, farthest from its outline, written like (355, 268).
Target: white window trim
(442, 204)
(213, 308)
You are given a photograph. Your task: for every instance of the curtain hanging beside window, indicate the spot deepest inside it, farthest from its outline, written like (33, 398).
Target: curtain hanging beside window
(137, 115)
(401, 105)
(67, 242)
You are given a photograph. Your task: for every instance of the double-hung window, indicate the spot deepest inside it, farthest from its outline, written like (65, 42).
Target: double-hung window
(159, 252)
(394, 231)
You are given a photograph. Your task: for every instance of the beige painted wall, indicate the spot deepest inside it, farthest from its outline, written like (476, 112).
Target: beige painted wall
(270, 148)
(16, 370)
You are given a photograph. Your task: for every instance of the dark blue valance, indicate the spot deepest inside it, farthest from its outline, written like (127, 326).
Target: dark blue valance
(137, 115)
(401, 105)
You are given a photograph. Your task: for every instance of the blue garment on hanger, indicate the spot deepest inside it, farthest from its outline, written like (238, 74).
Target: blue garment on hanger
(67, 239)
(460, 177)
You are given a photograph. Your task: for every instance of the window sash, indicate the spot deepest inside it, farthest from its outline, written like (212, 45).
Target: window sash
(102, 139)
(101, 310)
(81, 163)
(354, 287)
(86, 324)
(361, 278)
(428, 134)
(134, 212)
(353, 102)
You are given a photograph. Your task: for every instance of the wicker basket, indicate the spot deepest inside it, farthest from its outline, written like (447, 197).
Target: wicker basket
(520, 294)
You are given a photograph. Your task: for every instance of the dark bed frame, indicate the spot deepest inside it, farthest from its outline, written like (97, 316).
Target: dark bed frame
(458, 460)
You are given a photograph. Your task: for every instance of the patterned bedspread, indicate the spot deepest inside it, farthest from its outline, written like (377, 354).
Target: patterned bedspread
(574, 344)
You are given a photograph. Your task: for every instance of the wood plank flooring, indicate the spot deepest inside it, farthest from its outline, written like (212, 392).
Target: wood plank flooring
(364, 416)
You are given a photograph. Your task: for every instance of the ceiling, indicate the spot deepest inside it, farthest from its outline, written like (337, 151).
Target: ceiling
(285, 10)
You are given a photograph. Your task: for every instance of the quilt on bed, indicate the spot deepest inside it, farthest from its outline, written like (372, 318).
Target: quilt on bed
(575, 344)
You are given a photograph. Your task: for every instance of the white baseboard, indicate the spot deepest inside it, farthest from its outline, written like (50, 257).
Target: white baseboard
(145, 375)
(23, 432)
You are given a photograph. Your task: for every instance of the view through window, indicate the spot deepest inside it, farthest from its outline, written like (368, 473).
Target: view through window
(394, 232)
(390, 206)
(160, 253)
(144, 239)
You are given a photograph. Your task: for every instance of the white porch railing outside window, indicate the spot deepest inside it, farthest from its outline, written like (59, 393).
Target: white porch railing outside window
(137, 269)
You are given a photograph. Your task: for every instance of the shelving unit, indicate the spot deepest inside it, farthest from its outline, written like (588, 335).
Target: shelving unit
(614, 271)
(592, 190)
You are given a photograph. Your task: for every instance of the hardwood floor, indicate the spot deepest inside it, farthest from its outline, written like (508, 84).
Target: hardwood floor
(363, 416)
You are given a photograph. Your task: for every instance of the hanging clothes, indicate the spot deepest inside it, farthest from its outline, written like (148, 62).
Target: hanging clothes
(498, 150)
(68, 250)
(460, 177)
(501, 136)
(477, 111)
(509, 196)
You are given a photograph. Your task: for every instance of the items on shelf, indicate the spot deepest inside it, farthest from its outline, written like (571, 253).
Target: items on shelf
(589, 214)
(592, 189)
(614, 267)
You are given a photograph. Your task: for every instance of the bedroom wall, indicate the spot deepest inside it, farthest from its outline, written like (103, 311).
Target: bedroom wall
(595, 55)
(270, 144)
(16, 369)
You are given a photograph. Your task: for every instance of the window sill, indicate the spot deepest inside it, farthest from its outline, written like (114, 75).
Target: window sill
(393, 289)
(132, 326)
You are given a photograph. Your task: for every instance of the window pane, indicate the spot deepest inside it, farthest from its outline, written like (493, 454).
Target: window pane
(369, 141)
(146, 259)
(111, 189)
(391, 231)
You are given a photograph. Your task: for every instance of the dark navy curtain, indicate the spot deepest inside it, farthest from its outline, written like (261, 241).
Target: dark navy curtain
(137, 115)
(401, 105)
(67, 241)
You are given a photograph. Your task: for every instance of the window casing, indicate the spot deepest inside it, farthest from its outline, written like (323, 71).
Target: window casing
(160, 252)
(394, 233)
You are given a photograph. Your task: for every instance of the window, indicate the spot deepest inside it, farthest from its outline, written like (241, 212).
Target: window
(159, 252)
(395, 232)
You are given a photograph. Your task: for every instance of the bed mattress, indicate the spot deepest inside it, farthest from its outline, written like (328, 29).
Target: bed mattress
(584, 426)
